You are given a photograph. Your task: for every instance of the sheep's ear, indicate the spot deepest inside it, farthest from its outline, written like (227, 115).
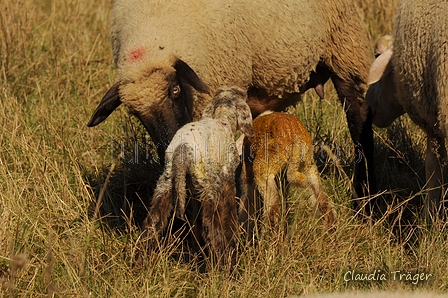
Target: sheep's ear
(108, 104)
(244, 118)
(185, 73)
(381, 67)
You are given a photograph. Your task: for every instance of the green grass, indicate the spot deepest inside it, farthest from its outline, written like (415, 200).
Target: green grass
(54, 171)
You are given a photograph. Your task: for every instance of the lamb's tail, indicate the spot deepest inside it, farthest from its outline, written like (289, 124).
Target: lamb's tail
(183, 157)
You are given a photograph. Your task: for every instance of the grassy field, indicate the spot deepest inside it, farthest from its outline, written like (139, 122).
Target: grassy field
(72, 198)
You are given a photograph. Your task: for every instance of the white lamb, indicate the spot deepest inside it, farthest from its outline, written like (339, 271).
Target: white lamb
(202, 159)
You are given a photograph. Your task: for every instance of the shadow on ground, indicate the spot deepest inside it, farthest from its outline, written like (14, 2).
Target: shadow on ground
(400, 175)
(123, 190)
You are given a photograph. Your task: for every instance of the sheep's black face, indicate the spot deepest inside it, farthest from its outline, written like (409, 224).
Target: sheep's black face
(162, 102)
(161, 98)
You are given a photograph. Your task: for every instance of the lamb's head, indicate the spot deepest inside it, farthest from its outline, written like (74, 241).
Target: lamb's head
(382, 94)
(229, 106)
(160, 96)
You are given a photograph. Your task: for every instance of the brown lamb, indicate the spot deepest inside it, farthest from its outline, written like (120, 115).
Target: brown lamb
(282, 142)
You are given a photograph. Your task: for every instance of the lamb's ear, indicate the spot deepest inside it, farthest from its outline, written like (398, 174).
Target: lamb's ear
(244, 118)
(239, 144)
(108, 104)
(187, 74)
(380, 67)
(208, 111)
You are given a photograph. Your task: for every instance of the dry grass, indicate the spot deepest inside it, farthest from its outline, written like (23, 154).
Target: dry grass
(378, 16)
(55, 66)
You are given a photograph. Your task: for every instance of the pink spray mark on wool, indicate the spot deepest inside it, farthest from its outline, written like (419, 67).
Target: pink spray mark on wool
(136, 54)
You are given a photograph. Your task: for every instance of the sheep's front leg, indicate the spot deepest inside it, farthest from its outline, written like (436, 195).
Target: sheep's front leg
(359, 121)
(435, 160)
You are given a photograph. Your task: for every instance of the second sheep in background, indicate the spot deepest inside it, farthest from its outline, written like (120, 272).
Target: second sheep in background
(412, 77)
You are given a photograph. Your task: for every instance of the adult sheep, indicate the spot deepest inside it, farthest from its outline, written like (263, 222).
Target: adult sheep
(412, 77)
(171, 55)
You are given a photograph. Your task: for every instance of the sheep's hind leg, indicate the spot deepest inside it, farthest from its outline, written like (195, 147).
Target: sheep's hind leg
(359, 121)
(435, 159)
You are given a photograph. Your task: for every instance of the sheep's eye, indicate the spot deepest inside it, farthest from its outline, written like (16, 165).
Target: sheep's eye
(176, 90)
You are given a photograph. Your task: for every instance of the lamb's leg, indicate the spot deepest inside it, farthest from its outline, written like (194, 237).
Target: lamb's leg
(183, 158)
(323, 202)
(435, 159)
(264, 174)
(161, 208)
(307, 175)
(248, 207)
(219, 221)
